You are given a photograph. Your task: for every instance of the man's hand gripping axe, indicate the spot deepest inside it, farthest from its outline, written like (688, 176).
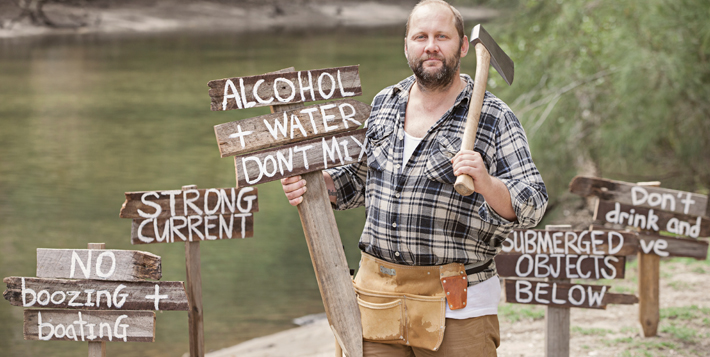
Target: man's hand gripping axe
(487, 53)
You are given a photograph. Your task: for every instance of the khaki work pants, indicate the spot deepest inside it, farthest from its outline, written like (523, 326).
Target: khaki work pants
(478, 336)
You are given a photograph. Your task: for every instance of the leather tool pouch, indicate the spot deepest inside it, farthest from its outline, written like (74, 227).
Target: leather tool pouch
(405, 305)
(455, 284)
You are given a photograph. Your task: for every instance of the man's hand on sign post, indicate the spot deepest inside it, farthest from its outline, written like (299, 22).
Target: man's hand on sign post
(295, 187)
(493, 190)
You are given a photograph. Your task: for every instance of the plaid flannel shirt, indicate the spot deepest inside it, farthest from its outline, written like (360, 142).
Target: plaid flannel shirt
(414, 215)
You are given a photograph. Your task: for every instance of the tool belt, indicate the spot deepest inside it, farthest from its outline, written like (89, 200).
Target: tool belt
(406, 305)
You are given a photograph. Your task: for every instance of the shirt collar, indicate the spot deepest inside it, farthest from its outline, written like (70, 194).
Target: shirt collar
(402, 89)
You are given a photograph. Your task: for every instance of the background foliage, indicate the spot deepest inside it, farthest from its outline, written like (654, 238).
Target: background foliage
(612, 88)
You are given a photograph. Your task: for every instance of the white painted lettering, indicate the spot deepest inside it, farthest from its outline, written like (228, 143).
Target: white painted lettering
(256, 93)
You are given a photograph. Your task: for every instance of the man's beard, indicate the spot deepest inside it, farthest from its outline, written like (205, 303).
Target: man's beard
(440, 79)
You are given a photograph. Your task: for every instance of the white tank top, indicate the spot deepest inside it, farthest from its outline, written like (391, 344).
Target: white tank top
(410, 143)
(482, 298)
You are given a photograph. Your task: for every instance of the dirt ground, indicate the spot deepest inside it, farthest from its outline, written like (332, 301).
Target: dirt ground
(684, 329)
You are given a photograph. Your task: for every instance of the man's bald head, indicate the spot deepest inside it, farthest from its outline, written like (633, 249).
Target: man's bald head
(458, 19)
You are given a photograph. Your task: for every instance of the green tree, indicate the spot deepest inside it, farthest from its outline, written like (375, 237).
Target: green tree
(614, 88)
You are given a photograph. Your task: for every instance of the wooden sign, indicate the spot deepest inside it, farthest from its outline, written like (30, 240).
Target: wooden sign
(95, 294)
(283, 88)
(121, 265)
(594, 242)
(66, 325)
(627, 193)
(563, 294)
(190, 215)
(299, 158)
(650, 219)
(308, 158)
(560, 266)
(192, 229)
(187, 203)
(599, 241)
(272, 130)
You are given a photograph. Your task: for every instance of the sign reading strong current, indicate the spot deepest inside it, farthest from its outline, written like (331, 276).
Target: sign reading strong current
(190, 215)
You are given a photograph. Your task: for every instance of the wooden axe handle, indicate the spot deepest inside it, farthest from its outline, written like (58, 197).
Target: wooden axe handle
(464, 183)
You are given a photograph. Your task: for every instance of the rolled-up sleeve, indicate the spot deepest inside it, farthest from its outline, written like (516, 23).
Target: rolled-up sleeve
(349, 181)
(515, 168)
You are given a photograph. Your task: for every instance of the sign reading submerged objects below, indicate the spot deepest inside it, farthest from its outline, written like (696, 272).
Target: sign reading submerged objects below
(190, 215)
(553, 254)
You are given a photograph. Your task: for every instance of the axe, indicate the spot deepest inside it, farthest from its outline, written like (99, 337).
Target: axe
(487, 53)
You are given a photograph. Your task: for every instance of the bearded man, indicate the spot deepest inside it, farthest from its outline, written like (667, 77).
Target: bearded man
(427, 283)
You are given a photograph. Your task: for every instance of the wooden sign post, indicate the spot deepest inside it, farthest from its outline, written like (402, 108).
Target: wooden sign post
(190, 216)
(94, 295)
(649, 209)
(299, 140)
(649, 282)
(557, 318)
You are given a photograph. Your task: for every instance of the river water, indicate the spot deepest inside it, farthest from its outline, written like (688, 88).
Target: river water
(84, 119)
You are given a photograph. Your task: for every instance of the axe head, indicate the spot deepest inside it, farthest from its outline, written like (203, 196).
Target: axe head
(499, 60)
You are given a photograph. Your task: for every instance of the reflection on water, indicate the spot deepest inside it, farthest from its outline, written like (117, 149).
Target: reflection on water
(85, 119)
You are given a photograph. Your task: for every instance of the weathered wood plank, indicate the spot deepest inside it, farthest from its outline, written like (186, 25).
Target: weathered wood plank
(204, 202)
(620, 299)
(283, 88)
(650, 219)
(649, 274)
(95, 294)
(555, 294)
(194, 286)
(561, 266)
(196, 333)
(330, 265)
(665, 246)
(642, 196)
(558, 319)
(329, 262)
(109, 326)
(299, 158)
(600, 241)
(192, 228)
(277, 129)
(119, 265)
(597, 242)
